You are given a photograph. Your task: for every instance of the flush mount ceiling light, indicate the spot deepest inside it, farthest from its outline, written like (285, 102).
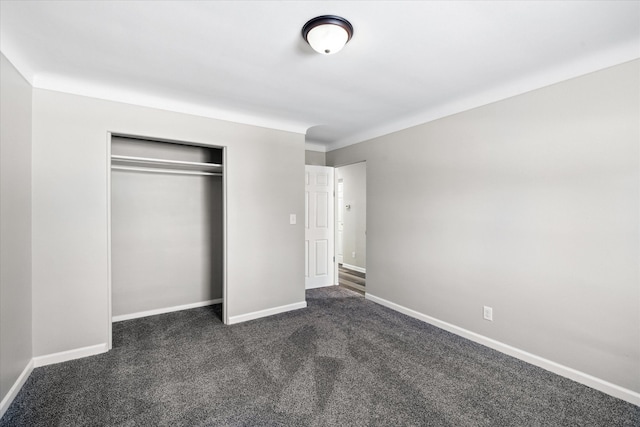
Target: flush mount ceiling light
(327, 34)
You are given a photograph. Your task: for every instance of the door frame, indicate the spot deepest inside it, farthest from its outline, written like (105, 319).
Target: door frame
(366, 210)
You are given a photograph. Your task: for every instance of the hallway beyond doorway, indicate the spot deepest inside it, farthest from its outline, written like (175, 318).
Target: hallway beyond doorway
(352, 279)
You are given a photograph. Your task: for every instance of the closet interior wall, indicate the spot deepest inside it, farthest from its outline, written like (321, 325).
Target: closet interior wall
(166, 226)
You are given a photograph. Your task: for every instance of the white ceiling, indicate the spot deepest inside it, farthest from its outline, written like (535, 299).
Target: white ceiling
(245, 61)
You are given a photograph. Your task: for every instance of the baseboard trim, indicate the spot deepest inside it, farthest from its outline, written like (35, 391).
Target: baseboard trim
(264, 313)
(64, 356)
(164, 310)
(562, 370)
(15, 388)
(354, 268)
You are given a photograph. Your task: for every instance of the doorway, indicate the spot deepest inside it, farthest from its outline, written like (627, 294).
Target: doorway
(319, 222)
(351, 226)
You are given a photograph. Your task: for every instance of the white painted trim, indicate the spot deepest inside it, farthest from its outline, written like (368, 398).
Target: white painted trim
(162, 102)
(315, 146)
(109, 295)
(320, 286)
(354, 268)
(225, 240)
(619, 54)
(17, 59)
(565, 371)
(264, 313)
(65, 356)
(15, 388)
(164, 310)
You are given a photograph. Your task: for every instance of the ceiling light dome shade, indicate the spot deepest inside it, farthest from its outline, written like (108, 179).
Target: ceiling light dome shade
(327, 34)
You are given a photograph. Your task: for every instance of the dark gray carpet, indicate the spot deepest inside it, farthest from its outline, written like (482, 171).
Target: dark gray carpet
(342, 361)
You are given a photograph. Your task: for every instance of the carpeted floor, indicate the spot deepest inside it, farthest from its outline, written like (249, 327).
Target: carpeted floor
(343, 361)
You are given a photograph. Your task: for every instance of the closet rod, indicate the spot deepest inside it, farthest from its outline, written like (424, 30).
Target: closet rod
(159, 170)
(161, 161)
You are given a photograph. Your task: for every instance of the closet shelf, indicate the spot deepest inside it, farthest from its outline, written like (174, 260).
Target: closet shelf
(148, 162)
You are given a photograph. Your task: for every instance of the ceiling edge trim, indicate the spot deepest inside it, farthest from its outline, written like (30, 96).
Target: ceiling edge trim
(71, 86)
(18, 63)
(621, 54)
(315, 146)
(65, 85)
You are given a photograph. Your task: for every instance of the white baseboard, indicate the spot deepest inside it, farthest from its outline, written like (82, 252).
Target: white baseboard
(164, 310)
(63, 356)
(320, 286)
(354, 268)
(565, 371)
(264, 313)
(48, 359)
(13, 391)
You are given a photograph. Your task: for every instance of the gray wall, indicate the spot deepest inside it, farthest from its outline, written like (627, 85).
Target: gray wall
(15, 225)
(166, 231)
(354, 178)
(264, 176)
(528, 205)
(315, 158)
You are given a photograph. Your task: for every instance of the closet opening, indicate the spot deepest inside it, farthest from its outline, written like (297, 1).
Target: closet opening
(167, 227)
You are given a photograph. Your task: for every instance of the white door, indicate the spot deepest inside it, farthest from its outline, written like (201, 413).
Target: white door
(340, 224)
(319, 223)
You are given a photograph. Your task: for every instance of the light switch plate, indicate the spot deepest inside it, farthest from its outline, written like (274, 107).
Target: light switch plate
(292, 219)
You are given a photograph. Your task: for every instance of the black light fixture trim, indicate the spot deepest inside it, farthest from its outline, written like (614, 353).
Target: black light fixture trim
(327, 19)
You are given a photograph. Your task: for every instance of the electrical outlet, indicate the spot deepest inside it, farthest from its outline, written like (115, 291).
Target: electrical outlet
(353, 254)
(488, 313)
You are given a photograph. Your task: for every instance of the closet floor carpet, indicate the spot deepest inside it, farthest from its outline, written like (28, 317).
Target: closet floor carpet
(342, 361)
